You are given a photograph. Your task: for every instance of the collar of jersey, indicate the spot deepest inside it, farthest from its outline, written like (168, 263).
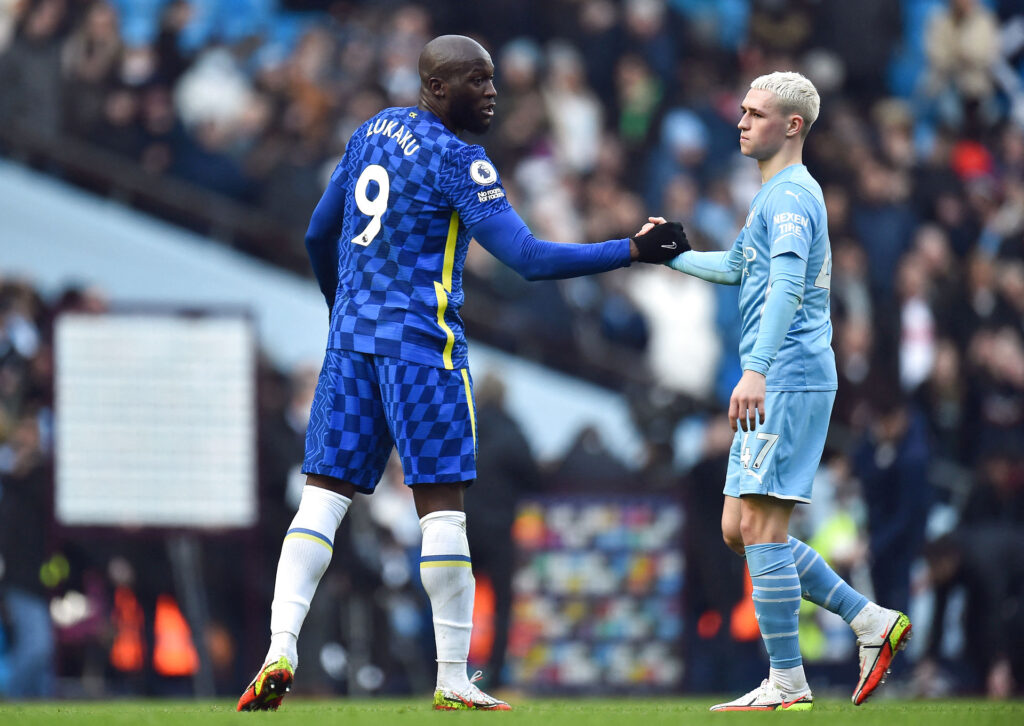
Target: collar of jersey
(429, 115)
(783, 175)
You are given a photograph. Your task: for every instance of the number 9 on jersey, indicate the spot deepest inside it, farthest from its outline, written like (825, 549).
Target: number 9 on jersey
(373, 208)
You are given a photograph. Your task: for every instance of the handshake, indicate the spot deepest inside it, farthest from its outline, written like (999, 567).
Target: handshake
(658, 241)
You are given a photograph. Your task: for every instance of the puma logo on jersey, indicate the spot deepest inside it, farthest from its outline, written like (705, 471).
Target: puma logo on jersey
(795, 195)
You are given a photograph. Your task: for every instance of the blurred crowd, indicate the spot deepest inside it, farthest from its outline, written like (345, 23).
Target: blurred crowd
(608, 111)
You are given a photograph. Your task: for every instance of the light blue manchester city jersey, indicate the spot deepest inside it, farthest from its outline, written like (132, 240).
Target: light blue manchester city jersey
(788, 215)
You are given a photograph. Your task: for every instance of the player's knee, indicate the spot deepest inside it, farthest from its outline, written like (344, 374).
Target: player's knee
(757, 530)
(750, 529)
(430, 498)
(733, 541)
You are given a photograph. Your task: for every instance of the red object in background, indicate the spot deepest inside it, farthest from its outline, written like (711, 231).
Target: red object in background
(971, 160)
(482, 640)
(127, 653)
(709, 624)
(174, 654)
(743, 626)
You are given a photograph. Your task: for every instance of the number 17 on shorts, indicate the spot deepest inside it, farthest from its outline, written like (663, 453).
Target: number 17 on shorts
(781, 457)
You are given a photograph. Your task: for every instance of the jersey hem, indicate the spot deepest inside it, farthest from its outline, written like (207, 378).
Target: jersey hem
(782, 388)
(773, 495)
(433, 360)
(334, 472)
(440, 479)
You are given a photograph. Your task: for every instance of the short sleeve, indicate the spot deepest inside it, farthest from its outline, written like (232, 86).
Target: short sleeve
(471, 184)
(791, 218)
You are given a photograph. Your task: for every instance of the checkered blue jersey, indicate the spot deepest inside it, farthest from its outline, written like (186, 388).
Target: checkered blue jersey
(411, 189)
(788, 216)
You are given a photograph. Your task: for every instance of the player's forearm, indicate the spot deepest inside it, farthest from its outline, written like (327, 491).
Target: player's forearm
(787, 285)
(507, 237)
(322, 239)
(725, 268)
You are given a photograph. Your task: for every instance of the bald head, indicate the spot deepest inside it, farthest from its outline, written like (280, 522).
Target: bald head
(447, 54)
(457, 83)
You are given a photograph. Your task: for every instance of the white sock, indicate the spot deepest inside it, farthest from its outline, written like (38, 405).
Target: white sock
(869, 621)
(447, 576)
(790, 681)
(305, 554)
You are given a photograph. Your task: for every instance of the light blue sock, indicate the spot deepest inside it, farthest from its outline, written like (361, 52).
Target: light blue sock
(822, 586)
(776, 601)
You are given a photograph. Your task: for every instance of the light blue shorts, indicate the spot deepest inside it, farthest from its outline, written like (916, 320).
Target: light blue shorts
(781, 456)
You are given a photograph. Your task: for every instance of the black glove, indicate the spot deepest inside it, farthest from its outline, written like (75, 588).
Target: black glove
(662, 243)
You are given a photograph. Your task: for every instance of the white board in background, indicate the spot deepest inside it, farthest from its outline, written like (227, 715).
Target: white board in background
(155, 421)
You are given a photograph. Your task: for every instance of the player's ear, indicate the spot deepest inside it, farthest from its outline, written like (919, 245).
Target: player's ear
(438, 86)
(796, 125)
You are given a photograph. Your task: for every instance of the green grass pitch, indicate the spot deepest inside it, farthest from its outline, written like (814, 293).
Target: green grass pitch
(566, 712)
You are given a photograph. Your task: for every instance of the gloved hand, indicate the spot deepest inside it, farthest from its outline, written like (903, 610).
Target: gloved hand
(660, 244)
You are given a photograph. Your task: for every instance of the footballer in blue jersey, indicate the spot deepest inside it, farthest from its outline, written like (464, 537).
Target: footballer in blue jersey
(387, 242)
(780, 408)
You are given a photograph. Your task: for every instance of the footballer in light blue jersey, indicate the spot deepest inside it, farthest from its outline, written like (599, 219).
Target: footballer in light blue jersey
(788, 217)
(780, 408)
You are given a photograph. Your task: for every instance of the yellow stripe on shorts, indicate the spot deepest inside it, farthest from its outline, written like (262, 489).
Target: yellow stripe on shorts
(472, 408)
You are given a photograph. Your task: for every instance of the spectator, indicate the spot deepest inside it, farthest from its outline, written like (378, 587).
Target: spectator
(30, 71)
(24, 519)
(997, 357)
(986, 564)
(891, 462)
(588, 465)
(862, 35)
(639, 96)
(523, 122)
(962, 45)
(943, 399)
(91, 57)
(997, 495)
(917, 323)
(575, 113)
(883, 222)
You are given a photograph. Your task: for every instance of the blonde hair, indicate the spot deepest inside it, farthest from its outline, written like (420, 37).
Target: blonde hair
(795, 92)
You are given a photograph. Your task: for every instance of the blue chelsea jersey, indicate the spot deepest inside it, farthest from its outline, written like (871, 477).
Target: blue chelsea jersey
(412, 190)
(788, 215)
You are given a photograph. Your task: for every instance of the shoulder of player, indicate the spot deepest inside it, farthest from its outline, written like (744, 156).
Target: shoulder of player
(805, 193)
(460, 154)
